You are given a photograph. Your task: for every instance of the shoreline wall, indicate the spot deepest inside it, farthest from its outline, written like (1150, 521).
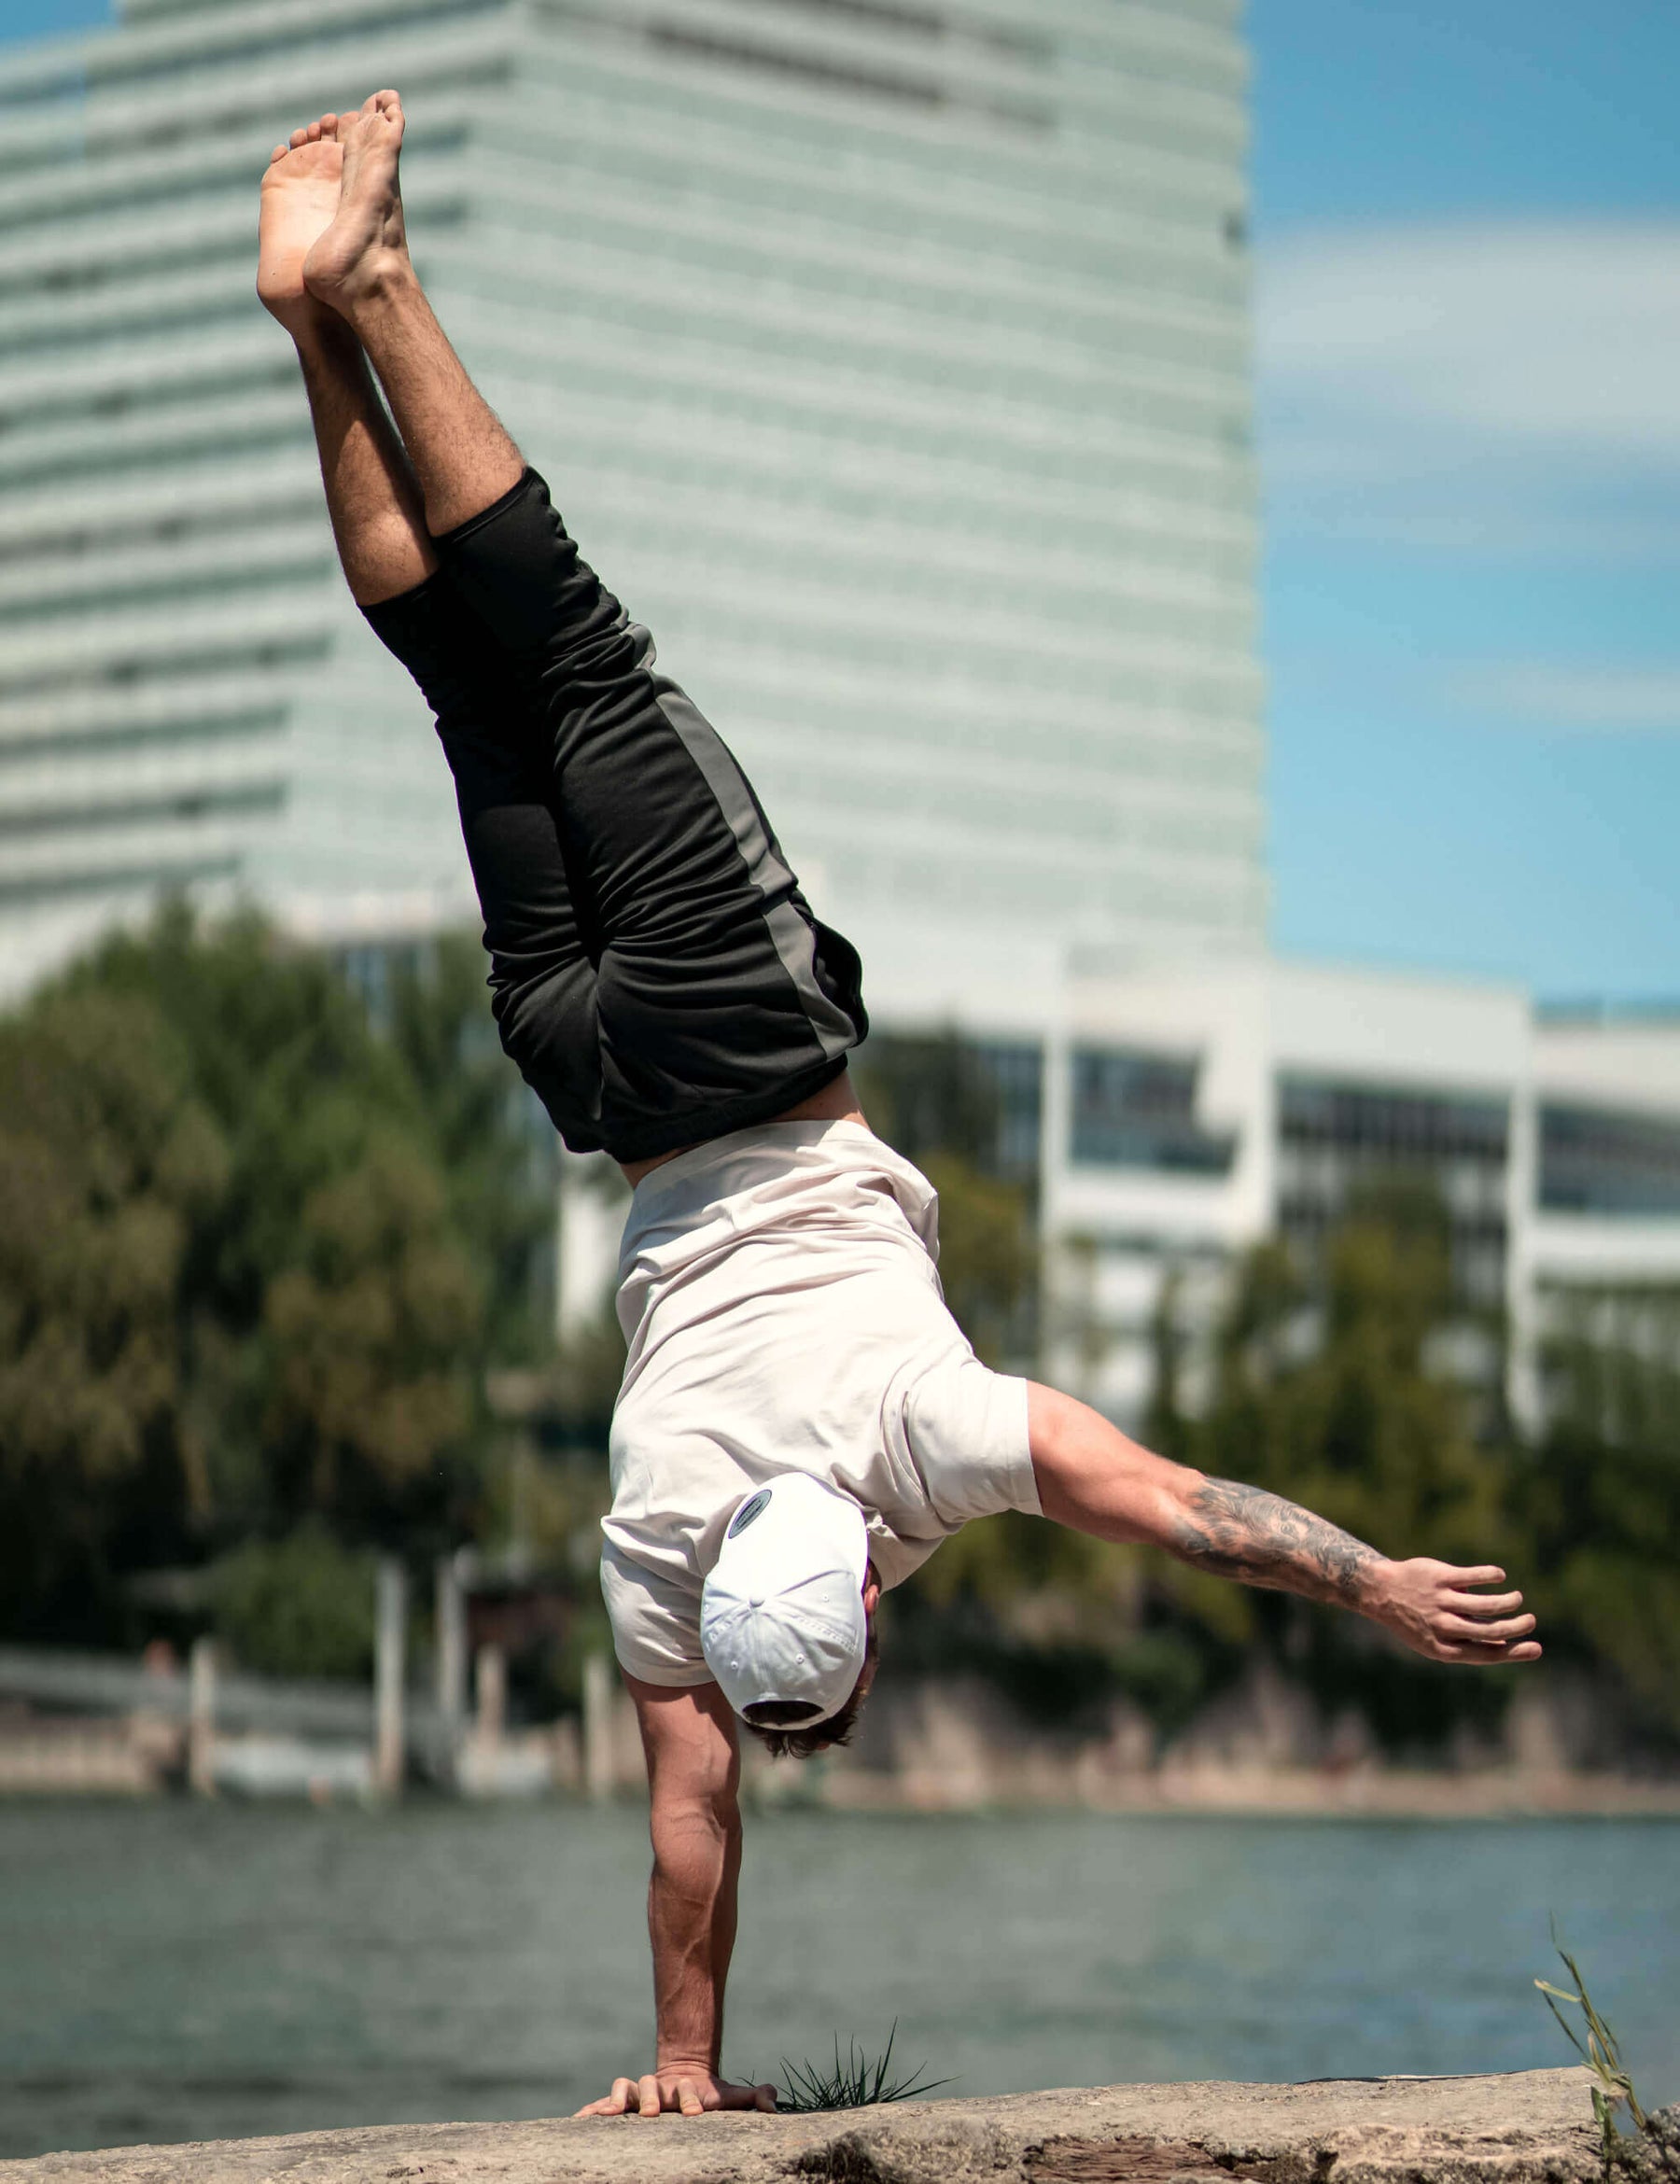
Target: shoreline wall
(1532, 2127)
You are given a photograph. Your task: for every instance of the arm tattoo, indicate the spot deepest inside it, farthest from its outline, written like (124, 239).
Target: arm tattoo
(1257, 1539)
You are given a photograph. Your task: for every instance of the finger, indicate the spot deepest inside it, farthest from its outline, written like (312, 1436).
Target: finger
(648, 2093)
(1488, 1655)
(615, 2103)
(1484, 1633)
(1483, 1604)
(688, 2097)
(1489, 1574)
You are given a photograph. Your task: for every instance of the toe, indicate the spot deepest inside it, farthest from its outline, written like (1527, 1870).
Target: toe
(299, 136)
(279, 152)
(330, 124)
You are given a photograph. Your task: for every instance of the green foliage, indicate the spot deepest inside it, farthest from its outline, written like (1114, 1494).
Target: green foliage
(987, 1255)
(932, 1099)
(497, 1148)
(1323, 1392)
(300, 1607)
(1604, 1516)
(850, 2083)
(1600, 2051)
(929, 1095)
(257, 1251)
(1351, 1420)
(109, 1166)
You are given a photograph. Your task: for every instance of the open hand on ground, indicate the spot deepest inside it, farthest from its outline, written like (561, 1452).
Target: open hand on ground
(1432, 1607)
(686, 2087)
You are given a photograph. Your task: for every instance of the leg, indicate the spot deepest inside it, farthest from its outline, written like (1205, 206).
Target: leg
(361, 266)
(720, 1000)
(542, 972)
(377, 514)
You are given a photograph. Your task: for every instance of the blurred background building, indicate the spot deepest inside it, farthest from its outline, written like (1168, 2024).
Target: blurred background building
(1190, 1115)
(890, 358)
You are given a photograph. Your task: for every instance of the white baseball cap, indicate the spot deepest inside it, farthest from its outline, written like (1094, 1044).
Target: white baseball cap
(781, 1614)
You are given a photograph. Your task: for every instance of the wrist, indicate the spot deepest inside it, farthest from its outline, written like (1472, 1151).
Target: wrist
(1373, 1587)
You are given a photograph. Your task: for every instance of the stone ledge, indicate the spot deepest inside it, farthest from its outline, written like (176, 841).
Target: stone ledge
(1532, 2127)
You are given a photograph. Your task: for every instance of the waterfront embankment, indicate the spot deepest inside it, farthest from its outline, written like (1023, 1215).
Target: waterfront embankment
(1532, 2127)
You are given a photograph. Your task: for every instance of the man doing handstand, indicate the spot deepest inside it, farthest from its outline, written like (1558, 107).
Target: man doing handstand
(801, 1421)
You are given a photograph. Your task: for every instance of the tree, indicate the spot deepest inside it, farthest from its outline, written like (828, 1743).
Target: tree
(109, 1165)
(1326, 1391)
(1602, 1497)
(259, 1250)
(933, 1100)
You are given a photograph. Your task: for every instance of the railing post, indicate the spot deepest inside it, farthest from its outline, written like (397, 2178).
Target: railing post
(451, 1658)
(201, 1718)
(598, 1770)
(390, 1650)
(491, 1680)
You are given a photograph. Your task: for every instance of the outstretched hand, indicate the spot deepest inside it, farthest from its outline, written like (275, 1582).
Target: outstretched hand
(688, 2088)
(1432, 1608)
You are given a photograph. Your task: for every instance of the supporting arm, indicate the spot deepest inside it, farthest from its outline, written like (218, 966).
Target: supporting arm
(694, 1769)
(1092, 1479)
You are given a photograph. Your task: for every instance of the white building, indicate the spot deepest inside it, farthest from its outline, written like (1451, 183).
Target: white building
(1190, 1111)
(888, 357)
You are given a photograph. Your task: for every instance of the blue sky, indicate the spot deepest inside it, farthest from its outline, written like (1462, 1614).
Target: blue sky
(1467, 248)
(1467, 229)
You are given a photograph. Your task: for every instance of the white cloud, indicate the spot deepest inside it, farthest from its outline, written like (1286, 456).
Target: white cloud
(1483, 385)
(1562, 334)
(1595, 699)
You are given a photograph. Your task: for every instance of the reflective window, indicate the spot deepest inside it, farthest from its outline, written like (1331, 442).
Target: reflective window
(1134, 1109)
(1607, 1160)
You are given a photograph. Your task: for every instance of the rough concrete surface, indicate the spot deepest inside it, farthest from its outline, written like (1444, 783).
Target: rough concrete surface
(1532, 2127)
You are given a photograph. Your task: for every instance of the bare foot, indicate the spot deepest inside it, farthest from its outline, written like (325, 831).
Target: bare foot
(299, 201)
(366, 247)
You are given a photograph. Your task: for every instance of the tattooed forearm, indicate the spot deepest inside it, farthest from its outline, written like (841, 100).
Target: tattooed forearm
(1259, 1539)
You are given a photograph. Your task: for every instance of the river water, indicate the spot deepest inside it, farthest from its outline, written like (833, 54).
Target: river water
(177, 1970)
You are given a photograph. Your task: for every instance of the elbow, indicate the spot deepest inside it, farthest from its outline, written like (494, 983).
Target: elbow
(708, 1810)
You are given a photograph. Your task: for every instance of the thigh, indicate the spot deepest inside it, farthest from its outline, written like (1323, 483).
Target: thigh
(542, 954)
(720, 996)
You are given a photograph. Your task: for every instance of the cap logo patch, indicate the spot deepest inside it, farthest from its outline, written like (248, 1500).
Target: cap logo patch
(749, 1509)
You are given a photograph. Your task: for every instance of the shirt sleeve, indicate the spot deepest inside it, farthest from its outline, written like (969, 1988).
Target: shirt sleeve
(655, 1621)
(966, 1431)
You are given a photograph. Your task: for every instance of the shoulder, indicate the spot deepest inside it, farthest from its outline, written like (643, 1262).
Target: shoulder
(965, 1431)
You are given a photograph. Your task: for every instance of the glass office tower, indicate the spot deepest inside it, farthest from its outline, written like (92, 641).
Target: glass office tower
(888, 357)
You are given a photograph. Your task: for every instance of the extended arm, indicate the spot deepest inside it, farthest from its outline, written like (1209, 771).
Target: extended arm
(1091, 1478)
(687, 1734)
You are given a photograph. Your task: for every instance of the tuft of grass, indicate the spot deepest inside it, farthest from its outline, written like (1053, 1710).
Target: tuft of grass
(1600, 2051)
(853, 2082)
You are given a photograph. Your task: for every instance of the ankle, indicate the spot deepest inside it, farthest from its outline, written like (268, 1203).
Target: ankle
(320, 334)
(381, 281)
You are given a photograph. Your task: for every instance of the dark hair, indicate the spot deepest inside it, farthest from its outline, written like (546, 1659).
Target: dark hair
(775, 1722)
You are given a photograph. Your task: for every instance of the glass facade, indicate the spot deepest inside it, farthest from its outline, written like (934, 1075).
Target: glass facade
(1616, 1162)
(890, 360)
(1335, 1135)
(1132, 1108)
(1016, 1071)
